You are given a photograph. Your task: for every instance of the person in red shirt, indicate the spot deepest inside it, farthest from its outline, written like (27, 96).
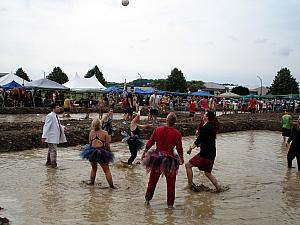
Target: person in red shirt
(252, 105)
(192, 110)
(163, 160)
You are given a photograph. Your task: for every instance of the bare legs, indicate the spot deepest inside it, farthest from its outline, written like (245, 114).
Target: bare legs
(106, 170)
(189, 173)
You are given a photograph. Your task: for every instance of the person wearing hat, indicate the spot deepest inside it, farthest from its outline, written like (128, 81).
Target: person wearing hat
(294, 150)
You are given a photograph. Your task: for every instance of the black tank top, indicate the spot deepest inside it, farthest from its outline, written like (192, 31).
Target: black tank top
(136, 131)
(97, 138)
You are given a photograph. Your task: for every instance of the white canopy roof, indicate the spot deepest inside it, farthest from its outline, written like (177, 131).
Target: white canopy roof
(12, 77)
(46, 84)
(229, 95)
(84, 84)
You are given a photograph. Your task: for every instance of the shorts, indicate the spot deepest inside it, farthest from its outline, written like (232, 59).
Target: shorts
(203, 164)
(66, 109)
(154, 112)
(202, 109)
(192, 114)
(286, 132)
(129, 111)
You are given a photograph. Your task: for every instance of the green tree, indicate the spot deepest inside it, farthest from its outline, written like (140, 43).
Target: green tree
(176, 81)
(240, 90)
(95, 71)
(195, 85)
(284, 83)
(58, 76)
(159, 84)
(21, 73)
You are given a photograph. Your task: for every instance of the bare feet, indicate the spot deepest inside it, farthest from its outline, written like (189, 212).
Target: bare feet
(221, 189)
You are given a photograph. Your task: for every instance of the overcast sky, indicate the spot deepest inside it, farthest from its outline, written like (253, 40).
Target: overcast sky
(211, 40)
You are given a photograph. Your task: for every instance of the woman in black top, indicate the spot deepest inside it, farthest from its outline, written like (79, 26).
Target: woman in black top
(134, 140)
(204, 160)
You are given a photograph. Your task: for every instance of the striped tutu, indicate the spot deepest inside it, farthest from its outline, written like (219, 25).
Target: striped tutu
(161, 162)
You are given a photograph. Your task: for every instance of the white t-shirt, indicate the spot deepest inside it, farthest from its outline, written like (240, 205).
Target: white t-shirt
(154, 101)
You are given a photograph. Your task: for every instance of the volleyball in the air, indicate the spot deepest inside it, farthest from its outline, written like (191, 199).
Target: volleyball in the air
(125, 2)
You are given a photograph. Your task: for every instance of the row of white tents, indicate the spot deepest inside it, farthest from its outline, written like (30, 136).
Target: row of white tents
(76, 84)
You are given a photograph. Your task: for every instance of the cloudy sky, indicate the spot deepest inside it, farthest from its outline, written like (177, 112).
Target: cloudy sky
(221, 41)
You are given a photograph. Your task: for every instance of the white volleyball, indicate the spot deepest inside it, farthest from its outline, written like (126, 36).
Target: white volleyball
(125, 2)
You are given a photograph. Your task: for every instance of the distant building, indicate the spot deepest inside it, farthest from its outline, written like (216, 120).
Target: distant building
(259, 90)
(214, 88)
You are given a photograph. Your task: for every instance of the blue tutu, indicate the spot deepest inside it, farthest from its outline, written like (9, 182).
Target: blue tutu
(97, 155)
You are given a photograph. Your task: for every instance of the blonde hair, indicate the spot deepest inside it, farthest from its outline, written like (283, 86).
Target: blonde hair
(96, 124)
(104, 118)
(171, 119)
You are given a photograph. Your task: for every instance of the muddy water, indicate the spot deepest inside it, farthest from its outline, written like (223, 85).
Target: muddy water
(253, 164)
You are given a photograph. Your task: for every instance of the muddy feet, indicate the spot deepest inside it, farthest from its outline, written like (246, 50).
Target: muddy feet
(221, 189)
(199, 188)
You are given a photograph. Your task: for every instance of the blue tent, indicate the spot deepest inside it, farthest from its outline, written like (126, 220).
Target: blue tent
(12, 85)
(140, 91)
(113, 89)
(201, 93)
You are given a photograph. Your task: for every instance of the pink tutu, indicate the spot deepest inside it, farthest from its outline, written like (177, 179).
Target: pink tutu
(161, 162)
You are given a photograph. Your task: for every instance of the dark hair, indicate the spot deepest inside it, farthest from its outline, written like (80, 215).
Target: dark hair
(53, 106)
(210, 115)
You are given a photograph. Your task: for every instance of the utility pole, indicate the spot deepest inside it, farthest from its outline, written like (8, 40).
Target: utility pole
(260, 84)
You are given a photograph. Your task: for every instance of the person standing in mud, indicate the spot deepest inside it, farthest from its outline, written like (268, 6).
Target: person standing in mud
(67, 107)
(134, 140)
(163, 160)
(294, 150)
(98, 151)
(204, 160)
(154, 102)
(53, 134)
(101, 106)
(286, 126)
(106, 122)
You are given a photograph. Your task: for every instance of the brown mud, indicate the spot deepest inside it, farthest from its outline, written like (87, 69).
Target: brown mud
(27, 135)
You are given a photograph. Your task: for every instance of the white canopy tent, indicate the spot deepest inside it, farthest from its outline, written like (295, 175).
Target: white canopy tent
(84, 84)
(229, 95)
(46, 84)
(12, 77)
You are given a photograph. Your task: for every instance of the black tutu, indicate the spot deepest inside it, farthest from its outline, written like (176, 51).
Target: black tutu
(162, 162)
(97, 155)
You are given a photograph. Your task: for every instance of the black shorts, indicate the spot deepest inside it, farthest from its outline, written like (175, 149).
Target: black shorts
(286, 132)
(66, 109)
(192, 114)
(154, 112)
(202, 109)
(129, 111)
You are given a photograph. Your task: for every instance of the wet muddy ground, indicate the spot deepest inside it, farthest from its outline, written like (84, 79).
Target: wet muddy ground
(253, 164)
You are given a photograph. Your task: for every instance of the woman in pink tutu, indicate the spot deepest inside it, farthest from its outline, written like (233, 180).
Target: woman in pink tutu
(163, 160)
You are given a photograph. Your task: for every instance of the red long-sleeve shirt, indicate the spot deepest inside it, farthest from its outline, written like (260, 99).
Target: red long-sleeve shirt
(166, 138)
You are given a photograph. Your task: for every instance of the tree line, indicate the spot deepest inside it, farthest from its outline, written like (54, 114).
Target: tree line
(283, 83)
